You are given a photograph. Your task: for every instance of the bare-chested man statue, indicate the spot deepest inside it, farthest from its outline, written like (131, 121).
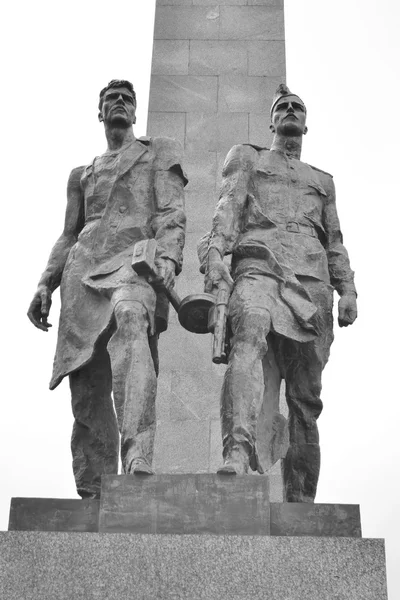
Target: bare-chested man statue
(110, 316)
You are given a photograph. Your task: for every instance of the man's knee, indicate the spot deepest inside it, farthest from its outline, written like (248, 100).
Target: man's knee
(252, 328)
(131, 315)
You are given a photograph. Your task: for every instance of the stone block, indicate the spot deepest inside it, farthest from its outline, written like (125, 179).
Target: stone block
(183, 93)
(239, 93)
(169, 124)
(259, 131)
(216, 132)
(216, 459)
(83, 566)
(186, 23)
(276, 3)
(192, 349)
(194, 395)
(267, 58)
(275, 482)
(53, 514)
(331, 520)
(220, 2)
(184, 504)
(182, 447)
(170, 57)
(214, 57)
(251, 23)
(174, 2)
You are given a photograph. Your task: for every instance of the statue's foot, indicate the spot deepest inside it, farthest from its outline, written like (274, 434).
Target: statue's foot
(140, 466)
(236, 462)
(89, 495)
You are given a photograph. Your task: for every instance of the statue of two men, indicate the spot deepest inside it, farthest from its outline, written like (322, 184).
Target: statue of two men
(277, 218)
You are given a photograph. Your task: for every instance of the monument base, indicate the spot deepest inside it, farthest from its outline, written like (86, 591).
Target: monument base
(92, 566)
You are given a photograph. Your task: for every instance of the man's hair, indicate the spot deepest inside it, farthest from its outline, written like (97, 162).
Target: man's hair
(116, 83)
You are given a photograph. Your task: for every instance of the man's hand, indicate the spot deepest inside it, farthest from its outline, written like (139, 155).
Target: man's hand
(216, 270)
(40, 307)
(166, 272)
(347, 310)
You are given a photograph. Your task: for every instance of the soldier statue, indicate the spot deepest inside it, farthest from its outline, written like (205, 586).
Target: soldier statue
(277, 217)
(111, 316)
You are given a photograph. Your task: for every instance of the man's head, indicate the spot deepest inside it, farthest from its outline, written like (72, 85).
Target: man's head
(288, 113)
(117, 104)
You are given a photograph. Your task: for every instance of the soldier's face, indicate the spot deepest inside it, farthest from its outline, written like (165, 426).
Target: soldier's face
(118, 108)
(289, 117)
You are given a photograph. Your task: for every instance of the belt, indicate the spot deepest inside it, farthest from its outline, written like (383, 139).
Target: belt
(295, 227)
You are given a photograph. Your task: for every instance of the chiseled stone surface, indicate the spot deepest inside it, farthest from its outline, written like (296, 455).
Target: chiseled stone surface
(186, 23)
(171, 57)
(185, 504)
(332, 520)
(216, 132)
(53, 514)
(167, 124)
(239, 93)
(215, 57)
(183, 93)
(266, 58)
(89, 566)
(251, 23)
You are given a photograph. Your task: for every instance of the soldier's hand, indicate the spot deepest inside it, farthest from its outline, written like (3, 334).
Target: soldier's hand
(216, 270)
(166, 272)
(347, 310)
(40, 307)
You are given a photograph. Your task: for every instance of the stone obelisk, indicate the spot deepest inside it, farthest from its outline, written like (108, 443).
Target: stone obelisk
(216, 65)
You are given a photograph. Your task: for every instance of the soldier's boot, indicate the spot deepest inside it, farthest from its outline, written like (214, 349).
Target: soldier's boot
(236, 460)
(140, 466)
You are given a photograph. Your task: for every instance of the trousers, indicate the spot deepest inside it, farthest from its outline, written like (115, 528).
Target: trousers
(113, 395)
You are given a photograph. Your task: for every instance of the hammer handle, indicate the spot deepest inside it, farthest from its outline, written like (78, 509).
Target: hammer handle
(173, 298)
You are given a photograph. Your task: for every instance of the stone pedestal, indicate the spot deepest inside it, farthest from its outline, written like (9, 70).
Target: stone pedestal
(176, 537)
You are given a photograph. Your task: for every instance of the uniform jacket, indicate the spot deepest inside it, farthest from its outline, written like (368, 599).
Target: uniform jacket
(282, 210)
(126, 197)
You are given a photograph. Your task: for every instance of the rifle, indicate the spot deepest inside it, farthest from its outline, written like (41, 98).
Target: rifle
(218, 325)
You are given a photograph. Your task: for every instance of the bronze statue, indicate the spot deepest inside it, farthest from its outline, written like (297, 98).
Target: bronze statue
(111, 316)
(277, 217)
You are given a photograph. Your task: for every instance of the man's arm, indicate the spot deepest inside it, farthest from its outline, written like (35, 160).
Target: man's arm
(74, 220)
(341, 274)
(228, 215)
(169, 220)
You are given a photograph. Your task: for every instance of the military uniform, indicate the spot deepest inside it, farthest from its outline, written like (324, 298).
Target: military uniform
(124, 196)
(277, 217)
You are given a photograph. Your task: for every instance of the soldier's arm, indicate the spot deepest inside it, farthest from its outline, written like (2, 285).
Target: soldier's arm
(228, 215)
(74, 220)
(341, 274)
(169, 220)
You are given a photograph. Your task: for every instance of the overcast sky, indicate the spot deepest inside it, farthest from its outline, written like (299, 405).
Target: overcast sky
(342, 59)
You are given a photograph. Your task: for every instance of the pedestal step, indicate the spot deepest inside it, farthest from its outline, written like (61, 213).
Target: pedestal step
(185, 504)
(91, 566)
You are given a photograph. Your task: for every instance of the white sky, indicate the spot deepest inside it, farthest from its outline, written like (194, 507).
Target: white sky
(342, 59)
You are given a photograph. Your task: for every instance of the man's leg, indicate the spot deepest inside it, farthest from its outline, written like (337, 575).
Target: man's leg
(95, 437)
(302, 365)
(134, 385)
(303, 387)
(243, 390)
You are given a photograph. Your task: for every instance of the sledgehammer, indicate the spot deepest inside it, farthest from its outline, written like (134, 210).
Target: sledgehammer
(192, 310)
(143, 263)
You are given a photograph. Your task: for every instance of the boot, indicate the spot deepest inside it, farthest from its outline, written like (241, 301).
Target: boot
(140, 466)
(236, 460)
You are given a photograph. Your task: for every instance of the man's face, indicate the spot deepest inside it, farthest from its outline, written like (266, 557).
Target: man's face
(118, 107)
(289, 116)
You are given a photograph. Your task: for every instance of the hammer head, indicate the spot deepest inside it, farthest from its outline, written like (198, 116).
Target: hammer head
(143, 259)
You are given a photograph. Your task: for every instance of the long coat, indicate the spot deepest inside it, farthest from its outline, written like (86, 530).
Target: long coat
(124, 197)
